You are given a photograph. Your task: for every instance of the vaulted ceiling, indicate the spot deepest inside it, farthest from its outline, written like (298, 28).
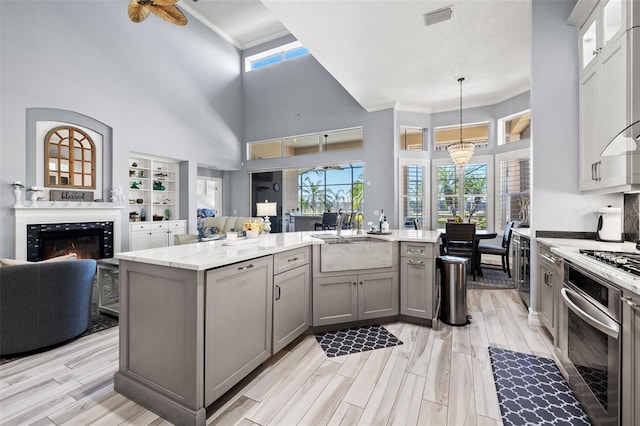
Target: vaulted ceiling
(382, 52)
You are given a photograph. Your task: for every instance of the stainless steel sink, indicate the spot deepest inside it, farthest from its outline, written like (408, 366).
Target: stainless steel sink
(349, 253)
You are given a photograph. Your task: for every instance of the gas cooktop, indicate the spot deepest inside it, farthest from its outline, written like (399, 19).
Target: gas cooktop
(626, 261)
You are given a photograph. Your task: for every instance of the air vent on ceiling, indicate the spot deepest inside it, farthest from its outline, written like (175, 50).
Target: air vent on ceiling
(443, 14)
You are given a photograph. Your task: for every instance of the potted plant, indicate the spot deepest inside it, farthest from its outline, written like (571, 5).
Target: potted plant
(34, 195)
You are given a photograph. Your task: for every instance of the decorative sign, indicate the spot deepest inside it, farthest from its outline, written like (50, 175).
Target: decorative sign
(62, 195)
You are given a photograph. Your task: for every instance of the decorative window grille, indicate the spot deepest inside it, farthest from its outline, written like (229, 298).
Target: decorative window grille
(70, 159)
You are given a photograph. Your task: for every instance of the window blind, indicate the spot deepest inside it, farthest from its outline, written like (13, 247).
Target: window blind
(515, 202)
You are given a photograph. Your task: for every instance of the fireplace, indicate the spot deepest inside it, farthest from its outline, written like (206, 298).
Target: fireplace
(97, 224)
(89, 240)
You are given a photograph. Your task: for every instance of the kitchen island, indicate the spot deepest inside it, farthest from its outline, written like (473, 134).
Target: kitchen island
(197, 318)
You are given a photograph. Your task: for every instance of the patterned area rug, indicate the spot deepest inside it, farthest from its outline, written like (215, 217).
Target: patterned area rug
(492, 279)
(356, 339)
(98, 322)
(532, 391)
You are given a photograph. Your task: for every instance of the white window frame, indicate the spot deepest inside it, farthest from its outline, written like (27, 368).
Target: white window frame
(276, 50)
(426, 189)
(517, 154)
(443, 148)
(489, 160)
(501, 123)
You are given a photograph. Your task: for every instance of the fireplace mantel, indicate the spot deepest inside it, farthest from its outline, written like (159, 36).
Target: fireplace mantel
(63, 212)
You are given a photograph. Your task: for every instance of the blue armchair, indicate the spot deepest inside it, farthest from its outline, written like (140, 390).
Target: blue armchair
(44, 303)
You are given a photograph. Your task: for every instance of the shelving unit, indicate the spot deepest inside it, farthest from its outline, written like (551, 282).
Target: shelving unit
(153, 186)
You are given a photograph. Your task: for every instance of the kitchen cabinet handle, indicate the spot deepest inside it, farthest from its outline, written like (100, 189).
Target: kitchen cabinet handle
(629, 301)
(277, 292)
(292, 260)
(416, 261)
(355, 283)
(360, 282)
(243, 268)
(415, 250)
(593, 171)
(599, 171)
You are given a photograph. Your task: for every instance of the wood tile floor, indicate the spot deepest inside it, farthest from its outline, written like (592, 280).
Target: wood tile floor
(438, 377)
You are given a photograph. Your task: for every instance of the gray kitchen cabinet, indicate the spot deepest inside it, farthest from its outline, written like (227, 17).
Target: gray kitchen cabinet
(549, 284)
(291, 296)
(418, 292)
(238, 323)
(355, 294)
(630, 376)
(345, 298)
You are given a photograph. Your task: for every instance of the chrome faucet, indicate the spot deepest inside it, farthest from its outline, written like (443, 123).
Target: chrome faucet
(359, 221)
(339, 221)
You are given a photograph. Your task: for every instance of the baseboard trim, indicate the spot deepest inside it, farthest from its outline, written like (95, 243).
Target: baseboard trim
(534, 318)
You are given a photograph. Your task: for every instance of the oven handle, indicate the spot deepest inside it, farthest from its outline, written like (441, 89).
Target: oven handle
(589, 313)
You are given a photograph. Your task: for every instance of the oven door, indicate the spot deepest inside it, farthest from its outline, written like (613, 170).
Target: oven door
(592, 357)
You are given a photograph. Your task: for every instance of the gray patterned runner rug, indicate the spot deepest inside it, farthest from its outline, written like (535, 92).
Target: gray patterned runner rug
(356, 339)
(532, 391)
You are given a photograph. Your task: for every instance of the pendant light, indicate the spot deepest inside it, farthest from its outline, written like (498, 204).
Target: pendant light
(460, 151)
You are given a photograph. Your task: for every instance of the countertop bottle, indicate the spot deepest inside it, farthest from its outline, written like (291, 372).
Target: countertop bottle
(381, 220)
(385, 225)
(143, 215)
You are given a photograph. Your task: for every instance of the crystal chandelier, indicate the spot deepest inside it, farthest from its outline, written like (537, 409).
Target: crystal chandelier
(460, 151)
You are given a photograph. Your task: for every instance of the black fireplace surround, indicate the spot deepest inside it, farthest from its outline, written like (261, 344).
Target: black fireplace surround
(90, 240)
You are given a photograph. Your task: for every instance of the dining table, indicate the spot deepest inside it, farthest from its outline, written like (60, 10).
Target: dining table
(481, 234)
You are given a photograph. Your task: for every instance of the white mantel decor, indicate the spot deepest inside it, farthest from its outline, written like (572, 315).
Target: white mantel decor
(65, 212)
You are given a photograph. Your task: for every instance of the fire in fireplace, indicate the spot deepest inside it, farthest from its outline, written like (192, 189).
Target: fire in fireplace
(89, 240)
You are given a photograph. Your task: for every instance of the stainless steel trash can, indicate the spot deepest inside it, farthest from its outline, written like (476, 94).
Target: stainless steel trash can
(453, 295)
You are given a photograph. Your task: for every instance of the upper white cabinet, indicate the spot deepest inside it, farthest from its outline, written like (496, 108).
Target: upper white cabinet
(606, 96)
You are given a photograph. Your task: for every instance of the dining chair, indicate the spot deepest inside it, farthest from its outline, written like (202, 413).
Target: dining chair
(501, 250)
(329, 220)
(460, 241)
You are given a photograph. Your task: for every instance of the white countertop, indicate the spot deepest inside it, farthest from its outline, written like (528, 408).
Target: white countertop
(213, 254)
(569, 249)
(526, 232)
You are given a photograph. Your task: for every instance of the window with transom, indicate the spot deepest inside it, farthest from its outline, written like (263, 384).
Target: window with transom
(70, 158)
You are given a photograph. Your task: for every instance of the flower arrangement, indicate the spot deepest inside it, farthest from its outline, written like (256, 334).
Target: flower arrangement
(253, 225)
(34, 189)
(17, 184)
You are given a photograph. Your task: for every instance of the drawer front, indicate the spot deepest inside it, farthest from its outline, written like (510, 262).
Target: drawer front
(416, 249)
(160, 226)
(174, 225)
(290, 259)
(140, 227)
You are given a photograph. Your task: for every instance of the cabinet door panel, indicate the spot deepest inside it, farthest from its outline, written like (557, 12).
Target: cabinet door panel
(335, 300)
(238, 323)
(416, 292)
(377, 295)
(159, 238)
(140, 240)
(545, 284)
(614, 110)
(589, 118)
(290, 306)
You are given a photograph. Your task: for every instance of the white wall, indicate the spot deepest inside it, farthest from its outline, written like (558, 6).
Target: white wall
(165, 90)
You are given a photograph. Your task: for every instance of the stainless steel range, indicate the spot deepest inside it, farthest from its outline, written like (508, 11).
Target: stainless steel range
(626, 261)
(592, 335)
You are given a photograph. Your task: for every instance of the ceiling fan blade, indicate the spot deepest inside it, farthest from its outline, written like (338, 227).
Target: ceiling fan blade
(169, 13)
(164, 2)
(137, 12)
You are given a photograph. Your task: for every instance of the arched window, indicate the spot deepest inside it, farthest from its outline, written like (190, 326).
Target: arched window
(70, 158)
